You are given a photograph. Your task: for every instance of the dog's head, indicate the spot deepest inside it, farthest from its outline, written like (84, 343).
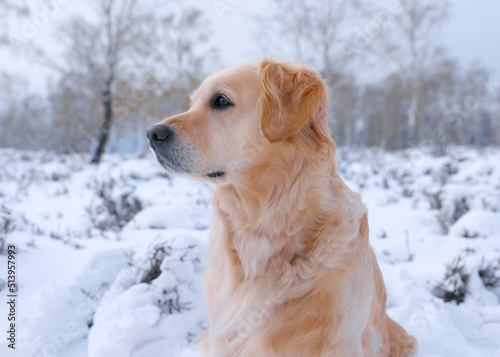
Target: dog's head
(241, 116)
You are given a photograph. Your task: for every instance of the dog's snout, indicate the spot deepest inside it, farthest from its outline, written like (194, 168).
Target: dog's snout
(159, 132)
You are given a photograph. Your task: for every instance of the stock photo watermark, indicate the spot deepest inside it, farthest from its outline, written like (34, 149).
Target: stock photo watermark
(40, 19)
(11, 296)
(222, 7)
(364, 35)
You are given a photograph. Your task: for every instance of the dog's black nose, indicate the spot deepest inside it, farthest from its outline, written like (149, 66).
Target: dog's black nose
(159, 132)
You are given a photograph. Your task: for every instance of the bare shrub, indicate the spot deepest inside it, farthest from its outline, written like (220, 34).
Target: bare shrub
(434, 199)
(157, 253)
(450, 213)
(448, 170)
(116, 205)
(469, 234)
(171, 301)
(454, 285)
(489, 272)
(171, 298)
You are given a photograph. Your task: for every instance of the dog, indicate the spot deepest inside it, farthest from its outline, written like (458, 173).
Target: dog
(290, 271)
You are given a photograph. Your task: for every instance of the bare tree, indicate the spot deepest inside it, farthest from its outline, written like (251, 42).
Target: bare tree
(106, 49)
(23, 115)
(124, 62)
(75, 107)
(409, 43)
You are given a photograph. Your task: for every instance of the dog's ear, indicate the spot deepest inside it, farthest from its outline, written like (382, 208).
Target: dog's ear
(289, 98)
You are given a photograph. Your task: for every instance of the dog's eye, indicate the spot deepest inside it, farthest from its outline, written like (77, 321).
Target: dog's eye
(220, 101)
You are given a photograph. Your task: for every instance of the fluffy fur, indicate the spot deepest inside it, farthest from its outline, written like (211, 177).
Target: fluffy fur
(290, 270)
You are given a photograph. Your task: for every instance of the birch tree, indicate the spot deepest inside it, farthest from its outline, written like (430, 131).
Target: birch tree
(409, 44)
(105, 49)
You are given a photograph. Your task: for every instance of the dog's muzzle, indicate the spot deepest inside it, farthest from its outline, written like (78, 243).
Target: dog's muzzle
(168, 151)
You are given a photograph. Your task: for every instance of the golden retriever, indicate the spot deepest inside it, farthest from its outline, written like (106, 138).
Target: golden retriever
(290, 270)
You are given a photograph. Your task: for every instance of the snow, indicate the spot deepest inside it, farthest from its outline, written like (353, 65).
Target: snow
(477, 224)
(111, 258)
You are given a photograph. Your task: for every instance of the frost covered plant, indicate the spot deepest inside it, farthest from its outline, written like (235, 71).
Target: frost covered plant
(450, 207)
(449, 169)
(116, 205)
(454, 285)
(157, 253)
(489, 272)
(170, 268)
(6, 225)
(451, 211)
(469, 234)
(434, 199)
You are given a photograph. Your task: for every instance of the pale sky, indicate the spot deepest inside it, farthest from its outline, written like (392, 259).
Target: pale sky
(471, 33)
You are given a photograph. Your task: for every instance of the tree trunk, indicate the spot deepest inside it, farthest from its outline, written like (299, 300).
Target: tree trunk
(106, 125)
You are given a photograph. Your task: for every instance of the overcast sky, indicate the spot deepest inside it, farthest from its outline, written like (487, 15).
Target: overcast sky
(471, 33)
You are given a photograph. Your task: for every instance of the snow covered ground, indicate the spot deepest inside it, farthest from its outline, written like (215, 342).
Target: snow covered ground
(110, 259)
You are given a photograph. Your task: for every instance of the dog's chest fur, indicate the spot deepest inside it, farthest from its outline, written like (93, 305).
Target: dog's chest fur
(276, 255)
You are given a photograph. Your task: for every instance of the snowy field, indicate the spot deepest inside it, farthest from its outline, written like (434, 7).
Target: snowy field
(110, 259)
